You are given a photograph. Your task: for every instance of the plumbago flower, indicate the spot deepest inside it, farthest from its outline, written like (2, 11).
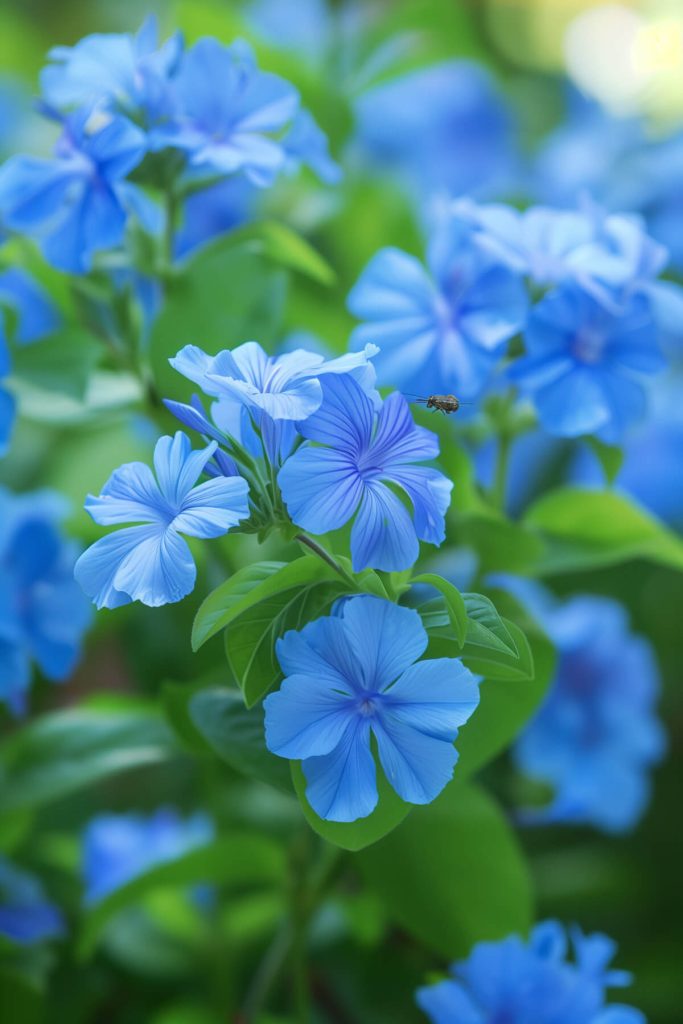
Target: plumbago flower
(151, 562)
(26, 915)
(43, 614)
(441, 330)
(353, 675)
(583, 360)
(119, 847)
(596, 736)
(269, 393)
(34, 317)
(351, 456)
(77, 203)
(522, 982)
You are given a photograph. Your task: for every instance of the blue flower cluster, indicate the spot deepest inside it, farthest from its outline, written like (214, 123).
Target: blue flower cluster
(353, 676)
(180, 118)
(596, 736)
(532, 982)
(588, 339)
(26, 914)
(43, 614)
(34, 317)
(119, 847)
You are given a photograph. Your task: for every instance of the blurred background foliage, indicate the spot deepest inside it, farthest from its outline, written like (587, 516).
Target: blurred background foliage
(162, 957)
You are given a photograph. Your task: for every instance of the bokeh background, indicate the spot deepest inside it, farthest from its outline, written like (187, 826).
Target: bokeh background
(556, 97)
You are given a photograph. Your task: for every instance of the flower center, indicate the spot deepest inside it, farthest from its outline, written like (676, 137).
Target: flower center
(589, 347)
(367, 705)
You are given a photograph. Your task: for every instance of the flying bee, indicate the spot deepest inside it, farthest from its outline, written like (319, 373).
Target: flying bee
(444, 403)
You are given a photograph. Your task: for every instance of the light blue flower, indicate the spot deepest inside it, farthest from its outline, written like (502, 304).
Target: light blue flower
(532, 982)
(344, 470)
(128, 73)
(597, 736)
(229, 115)
(274, 392)
(583, 362)
(442, 127)
(74, 204)
(119, 847)
(351, 676)
(444, 330)
(43, 614)
(151, 562)
(306, 143)
(26, 915)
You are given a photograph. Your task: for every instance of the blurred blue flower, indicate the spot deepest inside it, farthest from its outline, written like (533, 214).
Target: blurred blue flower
(347, 471)
(119, 847)
(306, 143)
(43, 614)
(443, 331)
(75, 204)
(275, 391)
(151, 562)
(532, 982)
(443, 127)
(596, 736)
(352, 675)
(120, 72)
(26, 915)
(229, 115)
(213, 211)
(582, 362)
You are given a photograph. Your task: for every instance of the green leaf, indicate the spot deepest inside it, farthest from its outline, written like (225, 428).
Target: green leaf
(285, 247)
(21, 1000)
(237, 735)
(485, 627)
(175, 700)
(610, 456)
(586, 529)
(354, 835)
(455, 605)
(238, 860)
(501, 546)
(250, 639)
(453, 873)
(62, 362)
(65, 751)
(231, 599)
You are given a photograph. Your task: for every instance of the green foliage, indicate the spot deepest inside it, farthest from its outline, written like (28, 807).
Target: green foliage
(453, 873)
(60, 753)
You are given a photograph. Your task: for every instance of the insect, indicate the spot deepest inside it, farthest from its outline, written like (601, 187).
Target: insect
(444, 403)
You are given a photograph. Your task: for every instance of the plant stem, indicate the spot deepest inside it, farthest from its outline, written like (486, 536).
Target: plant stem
(326, 557)
(169, 226)
(499, 486)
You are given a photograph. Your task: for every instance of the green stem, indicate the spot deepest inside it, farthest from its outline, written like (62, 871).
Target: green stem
(499, 486)
(326, 557)
(169, 226)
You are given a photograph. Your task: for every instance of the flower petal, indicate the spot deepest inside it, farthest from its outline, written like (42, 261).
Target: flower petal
(160, 570)
(397, 438)
(346, 417)
(213, 507)
(385, 638)
(447, 1002)
(322, 650)
(178, 467)
(96, 568)
(306, 717)
(418, 766)
(320, 487)
(435, 697)
(130, 495)
(383, 535)
(342, 785)
(430, 494)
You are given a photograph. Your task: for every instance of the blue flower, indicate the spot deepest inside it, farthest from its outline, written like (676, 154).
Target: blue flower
(119, 847)
(43, 614)
(531, 982)
(275, 391)
(117, 71)
(74, 204)
(596, 736)
(441, 332)
(26, 915)
(353, 675)
(151, 562)
(213, 211)
(306, 143)
(583, 361)
(443, 127)
(364, 452)
(229, 115)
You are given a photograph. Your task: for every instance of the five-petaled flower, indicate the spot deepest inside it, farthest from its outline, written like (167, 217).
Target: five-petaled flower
(151, 562)
(353, 675)
(520, 982)
(364, 453)
(583, 361)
